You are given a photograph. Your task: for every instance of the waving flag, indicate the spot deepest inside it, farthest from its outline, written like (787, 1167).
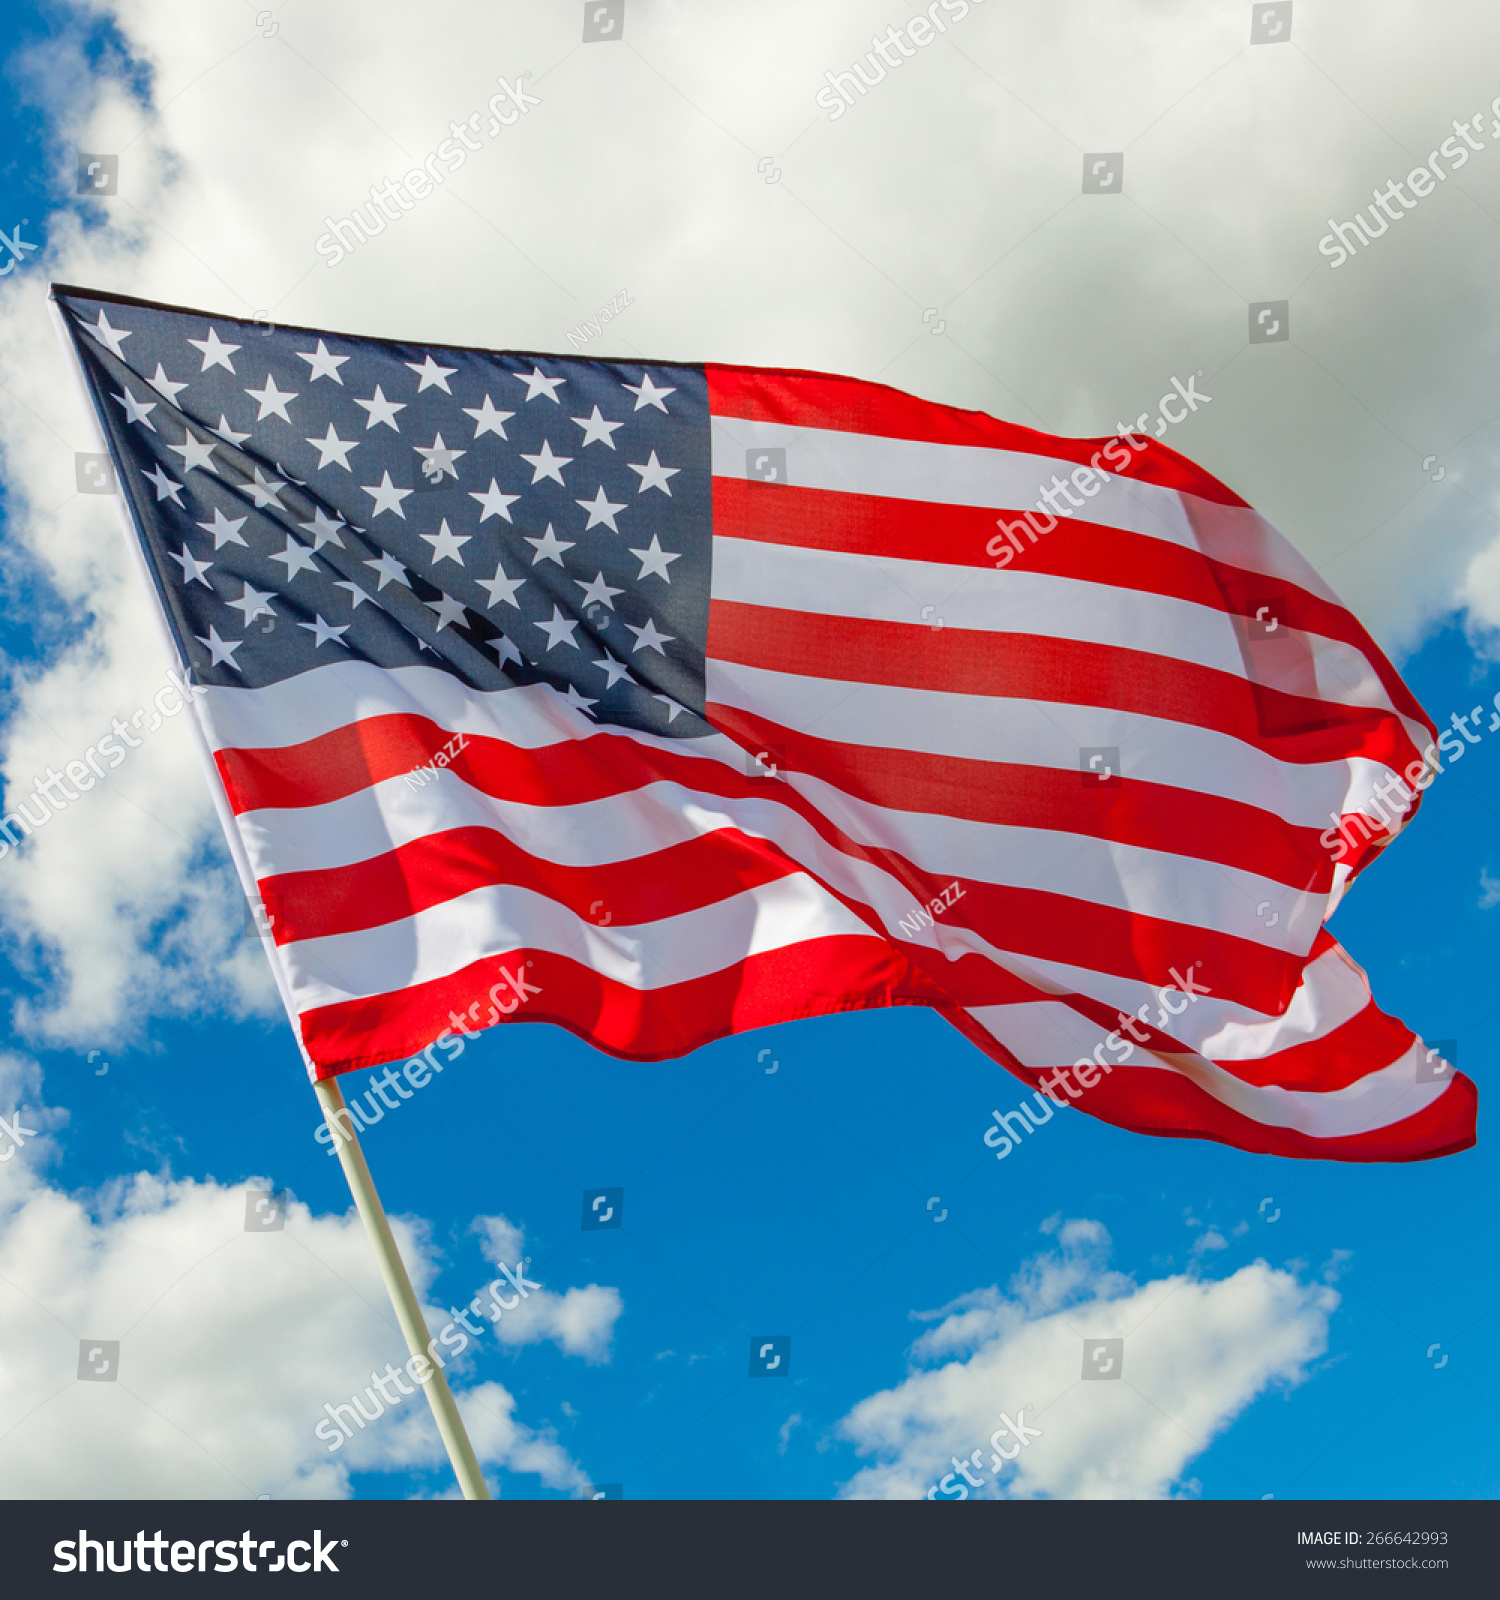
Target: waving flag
(667, 701)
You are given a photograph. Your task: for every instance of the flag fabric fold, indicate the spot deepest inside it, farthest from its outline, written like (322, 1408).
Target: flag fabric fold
(665, 701)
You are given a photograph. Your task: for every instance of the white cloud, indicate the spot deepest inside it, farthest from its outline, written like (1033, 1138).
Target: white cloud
(581, 1321)
(499, 1239)
(640, 171)
(1196, 1353)
(231, 1343)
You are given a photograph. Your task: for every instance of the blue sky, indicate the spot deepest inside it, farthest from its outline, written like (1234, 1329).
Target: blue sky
(796, 1201)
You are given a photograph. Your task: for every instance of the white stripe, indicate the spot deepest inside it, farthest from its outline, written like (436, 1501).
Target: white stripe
(331, 696)
(1045, 733)
(1380, 1098)
(978, 475)
(1049, 1033)
(889, 589)
(494, 920)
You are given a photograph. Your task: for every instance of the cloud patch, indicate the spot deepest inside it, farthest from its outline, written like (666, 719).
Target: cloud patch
(1195, 1353)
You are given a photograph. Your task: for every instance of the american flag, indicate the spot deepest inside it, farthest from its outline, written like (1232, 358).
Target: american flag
(697, 696)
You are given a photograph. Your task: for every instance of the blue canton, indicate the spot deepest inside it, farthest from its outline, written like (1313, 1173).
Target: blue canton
(306, 497)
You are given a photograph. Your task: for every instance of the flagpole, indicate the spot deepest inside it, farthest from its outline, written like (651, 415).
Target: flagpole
(398, 1285)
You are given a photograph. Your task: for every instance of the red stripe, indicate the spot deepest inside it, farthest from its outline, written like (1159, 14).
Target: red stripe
(818, 977)
(1148, 816)
(1170, 1106)
(1339, 1058)
(1289, 727)
(849, 405)
(1091, 552)
(441, 866)
(350, 758)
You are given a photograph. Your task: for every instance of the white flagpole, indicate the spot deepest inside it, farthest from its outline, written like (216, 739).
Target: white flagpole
(398, 1285)
(392, 1269)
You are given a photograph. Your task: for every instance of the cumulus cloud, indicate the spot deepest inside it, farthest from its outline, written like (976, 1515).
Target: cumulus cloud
(581, 1321)
(1196, 1352)
(949, 194)
(230, 1342)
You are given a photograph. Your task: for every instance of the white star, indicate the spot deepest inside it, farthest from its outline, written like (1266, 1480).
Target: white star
(672, 705)
(495, 504)
(559, 630)
(194, 452)
(438, 459)
(298, 558)
(192, 571)
(549, 547)
(332, 448)
(647, 394)
(227, 434)
(321, 364)
(135, 411)
(613, 669)
(505, 650)
(220, 649)
(601, 510)
(223, 530)
(357, 595)
(546, 465)
(388, 567)
(387, 496)
(446, 544)
(324, 529)
(252, 603)
(598, 592)
(536, 384)
(272, 400)
(648, 638)
(654, 475)
(447, 608)
(108, 336)
(654, 559)
(500, 583)
(487, 419)
(215, 352)
(379, 409)
(322, 632)
(164, 386)
(166, 488)
(432, 375)
(596, 430)
(264, 490)
(577, 701)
